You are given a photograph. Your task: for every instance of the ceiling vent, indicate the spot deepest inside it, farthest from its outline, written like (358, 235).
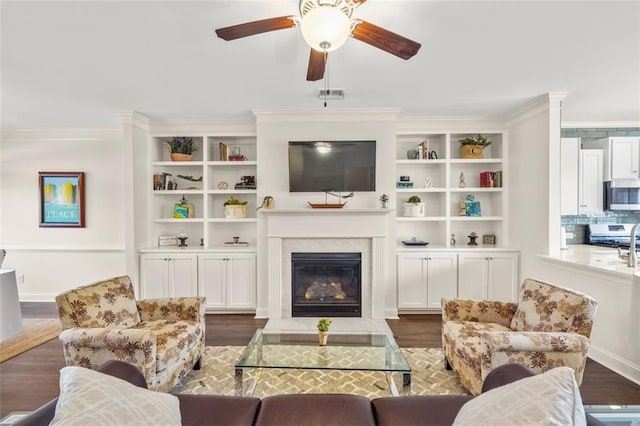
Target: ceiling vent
(331, 93)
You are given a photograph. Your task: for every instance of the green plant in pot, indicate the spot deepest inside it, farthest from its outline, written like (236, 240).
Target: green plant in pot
(323, 330)
(473, 147)
(234, 208)
(181, 148)
(414, 207)
(384, 200)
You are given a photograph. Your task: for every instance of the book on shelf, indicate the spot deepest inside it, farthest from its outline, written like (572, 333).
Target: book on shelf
(224, 152)
(423, 150)
(491, 179)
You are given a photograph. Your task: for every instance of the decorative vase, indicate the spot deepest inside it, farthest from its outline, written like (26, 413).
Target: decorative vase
(471, 151)
(180, 157)
(235, 211)
(384, 204)
(414, 209)
(322, 337)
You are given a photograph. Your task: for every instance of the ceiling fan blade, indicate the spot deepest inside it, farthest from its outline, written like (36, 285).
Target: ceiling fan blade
(317, 61)
(385, 40)
(256, 27)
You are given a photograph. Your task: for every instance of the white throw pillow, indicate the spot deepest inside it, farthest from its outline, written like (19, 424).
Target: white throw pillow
(89, 397)
(550, 398)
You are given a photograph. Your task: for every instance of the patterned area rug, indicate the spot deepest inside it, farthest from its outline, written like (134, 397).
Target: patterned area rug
(35, 331)
(217, 377)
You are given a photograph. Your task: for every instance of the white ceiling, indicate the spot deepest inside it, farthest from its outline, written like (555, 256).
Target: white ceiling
(78, 63)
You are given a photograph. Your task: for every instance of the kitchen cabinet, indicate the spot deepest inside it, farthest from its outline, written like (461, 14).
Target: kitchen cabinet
(590, 182)
(569, 175)
(622, 157)
(425, 278)
(168, 275)
(489, 276)
(228, 280)
(625, 158)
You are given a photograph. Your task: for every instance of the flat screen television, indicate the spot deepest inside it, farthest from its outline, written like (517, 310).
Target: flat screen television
(338, 166)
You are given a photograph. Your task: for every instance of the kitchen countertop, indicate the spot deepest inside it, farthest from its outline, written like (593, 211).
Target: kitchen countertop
(595, 257)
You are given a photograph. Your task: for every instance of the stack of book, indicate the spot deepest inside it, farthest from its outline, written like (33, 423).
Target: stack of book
(491, 179)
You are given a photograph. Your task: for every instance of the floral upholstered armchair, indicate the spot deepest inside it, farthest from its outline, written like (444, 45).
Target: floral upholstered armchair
(164, 338)
(549, 327)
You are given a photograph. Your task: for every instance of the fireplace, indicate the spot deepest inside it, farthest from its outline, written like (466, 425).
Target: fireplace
(326, 284)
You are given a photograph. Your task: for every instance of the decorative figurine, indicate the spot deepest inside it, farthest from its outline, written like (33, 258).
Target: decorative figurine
(183, 239)
(462, 208)
(428, 182)
(472, 239)
(452, 241)
(461, 183)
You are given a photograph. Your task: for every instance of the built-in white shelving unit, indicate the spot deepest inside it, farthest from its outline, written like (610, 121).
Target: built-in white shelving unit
(444, 193)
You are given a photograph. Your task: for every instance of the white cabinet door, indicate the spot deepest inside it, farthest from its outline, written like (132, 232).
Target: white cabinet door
(228, 281)
(412, 281)
(241, 281)
(425, 278)
(213, 280)
(488, 276)
(154, 276)
(168, 275)
(591, 181)
(442, 278)
(569, 160)
(502, 282)
(473, 273)
(183, 275)
(625, 158)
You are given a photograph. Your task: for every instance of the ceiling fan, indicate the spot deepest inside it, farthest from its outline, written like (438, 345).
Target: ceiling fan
(326, 25)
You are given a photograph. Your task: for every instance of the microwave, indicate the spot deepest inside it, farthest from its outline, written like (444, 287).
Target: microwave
(622, 194)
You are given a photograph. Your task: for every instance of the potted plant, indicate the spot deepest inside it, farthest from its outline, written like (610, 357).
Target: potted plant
(414, 207)
(473, 147)
(323, 330)
(181, 148)
(234, 208)
(384, 200)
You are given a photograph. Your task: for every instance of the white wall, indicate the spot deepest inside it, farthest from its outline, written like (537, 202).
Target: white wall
(276, 129)
(51, 260)
(528, 204)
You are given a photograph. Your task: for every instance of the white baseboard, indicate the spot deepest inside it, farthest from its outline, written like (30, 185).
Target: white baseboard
(613, 362)
(38, 297)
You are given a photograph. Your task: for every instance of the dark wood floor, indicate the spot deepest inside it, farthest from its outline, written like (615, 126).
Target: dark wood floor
(31, 379)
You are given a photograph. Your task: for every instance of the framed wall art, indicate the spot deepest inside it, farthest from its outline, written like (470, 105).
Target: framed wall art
(61, 199)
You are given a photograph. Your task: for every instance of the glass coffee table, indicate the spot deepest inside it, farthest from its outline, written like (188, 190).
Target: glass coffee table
(347, 352)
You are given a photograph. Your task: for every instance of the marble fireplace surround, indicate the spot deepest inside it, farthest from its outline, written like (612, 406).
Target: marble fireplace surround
(325, 230)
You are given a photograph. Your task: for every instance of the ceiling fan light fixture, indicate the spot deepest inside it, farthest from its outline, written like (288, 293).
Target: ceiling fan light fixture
(325, 28)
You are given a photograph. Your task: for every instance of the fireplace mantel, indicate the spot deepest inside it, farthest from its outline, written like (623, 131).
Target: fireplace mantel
(329, 229)
(347, 211)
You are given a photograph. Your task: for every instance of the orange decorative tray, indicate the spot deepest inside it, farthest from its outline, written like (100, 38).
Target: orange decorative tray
(326, 206)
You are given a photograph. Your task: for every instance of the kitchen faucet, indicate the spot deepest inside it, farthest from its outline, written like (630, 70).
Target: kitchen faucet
(633, 257)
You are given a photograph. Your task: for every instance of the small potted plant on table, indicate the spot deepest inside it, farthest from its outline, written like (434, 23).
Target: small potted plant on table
(323, 330)
(181, 148)
(473, 147)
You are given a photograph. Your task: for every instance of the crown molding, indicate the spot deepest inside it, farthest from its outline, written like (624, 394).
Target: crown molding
(54, 135)
(134, 118)
(537, 106)
(600, 124)
(447, 124)
(317, 115)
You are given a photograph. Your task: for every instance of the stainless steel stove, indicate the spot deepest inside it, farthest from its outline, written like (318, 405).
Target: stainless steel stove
(611, 235)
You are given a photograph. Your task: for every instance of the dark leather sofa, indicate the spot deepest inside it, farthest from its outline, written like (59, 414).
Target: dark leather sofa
(309, 409)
